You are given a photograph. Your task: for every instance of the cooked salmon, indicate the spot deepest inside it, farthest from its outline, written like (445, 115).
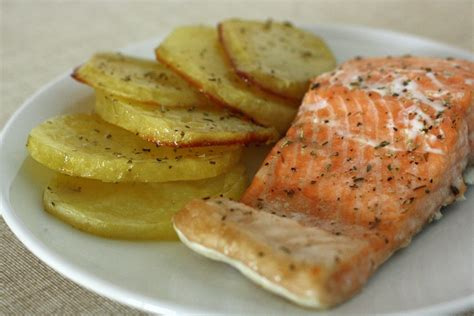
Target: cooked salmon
(377, 148)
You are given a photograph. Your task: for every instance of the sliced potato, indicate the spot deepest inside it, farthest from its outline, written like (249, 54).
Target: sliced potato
(278, 57)
(195, 53)
(85, 146)
(182, 127)
(138, 79)
(132, 210)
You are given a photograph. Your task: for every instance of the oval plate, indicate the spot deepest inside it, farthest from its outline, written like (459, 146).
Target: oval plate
(434, 274)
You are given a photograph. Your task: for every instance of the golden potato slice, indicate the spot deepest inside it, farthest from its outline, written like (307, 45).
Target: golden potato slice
(195, 53)
(132, 210)
(138, 79)
(85, 146)
(278, 57)
(182, 127)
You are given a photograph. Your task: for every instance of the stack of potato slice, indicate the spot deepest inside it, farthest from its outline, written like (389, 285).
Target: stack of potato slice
(168, 131)
(261, 69)
(153, 144)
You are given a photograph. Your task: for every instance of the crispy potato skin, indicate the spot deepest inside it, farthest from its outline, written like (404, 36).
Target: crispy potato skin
(180, 52)
(295, 101)
(281, 127)
(277, 57)
(85, 146)
(138, 80)
(181, 127)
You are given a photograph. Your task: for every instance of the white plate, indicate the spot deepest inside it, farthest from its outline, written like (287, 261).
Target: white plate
(434, 274)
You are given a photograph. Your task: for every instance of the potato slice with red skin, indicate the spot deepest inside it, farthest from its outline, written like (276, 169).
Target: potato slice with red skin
(83, 145)
(195, 53)
(181, 127)
(278, 57)
(139, 80)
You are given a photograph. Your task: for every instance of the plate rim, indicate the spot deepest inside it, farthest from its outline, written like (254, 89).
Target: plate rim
(146, 303)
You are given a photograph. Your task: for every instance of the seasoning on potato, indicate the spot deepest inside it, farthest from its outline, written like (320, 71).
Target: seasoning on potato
(132, 210)
(83, 145)
(137, 79)
(194, 52)
(278, 57)
(181, 127)
(167, 131)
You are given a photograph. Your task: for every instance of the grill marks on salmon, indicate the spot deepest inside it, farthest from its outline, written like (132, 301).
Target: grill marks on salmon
(377, 148)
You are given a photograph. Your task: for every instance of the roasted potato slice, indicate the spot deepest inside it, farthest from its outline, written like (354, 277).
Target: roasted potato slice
(141, 80)
(181, 127)
(85, 146)
(195, 53)
(132, 210)
(278, 57)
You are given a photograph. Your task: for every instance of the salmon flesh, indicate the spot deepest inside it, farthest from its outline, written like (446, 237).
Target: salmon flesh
(377, 148)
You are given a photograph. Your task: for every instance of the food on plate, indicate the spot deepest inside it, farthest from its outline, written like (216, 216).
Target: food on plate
(195, 53)
(83, 145)
(132, 210)
(278, 57)
(181, 126)
(139, 80)
(377, 148)
(163, 132)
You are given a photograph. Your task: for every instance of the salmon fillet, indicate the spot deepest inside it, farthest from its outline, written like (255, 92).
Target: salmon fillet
(377, 148)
